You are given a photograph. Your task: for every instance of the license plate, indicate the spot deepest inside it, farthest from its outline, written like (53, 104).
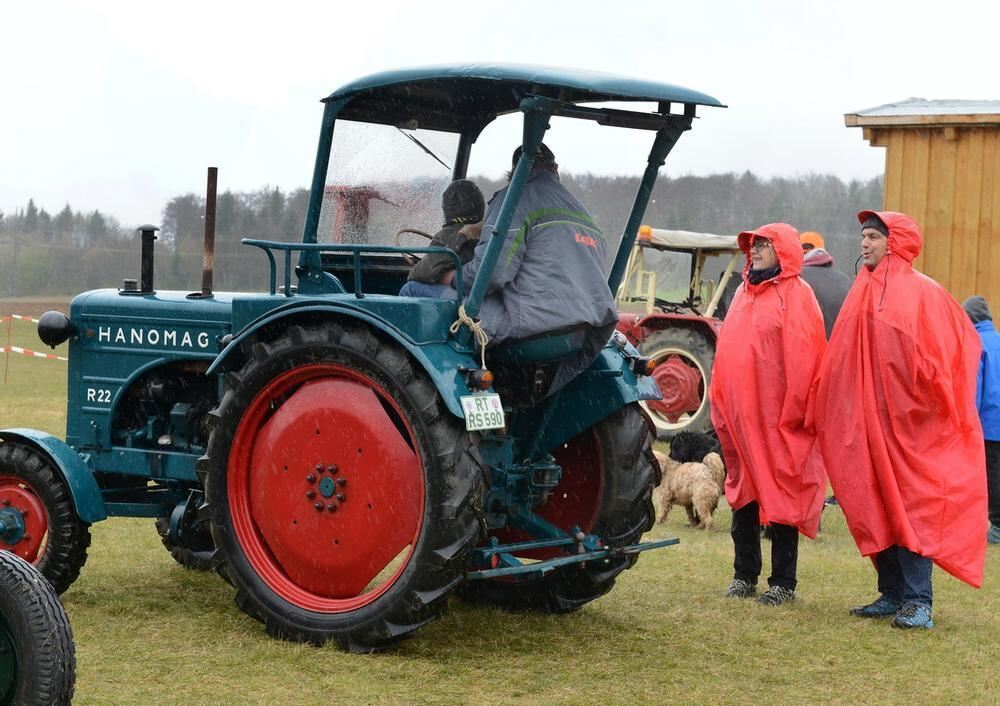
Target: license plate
(483, 412)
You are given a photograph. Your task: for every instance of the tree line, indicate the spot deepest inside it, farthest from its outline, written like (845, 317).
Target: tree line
(72, 251)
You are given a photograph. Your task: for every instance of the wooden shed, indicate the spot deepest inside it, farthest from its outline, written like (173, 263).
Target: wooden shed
(942, 166)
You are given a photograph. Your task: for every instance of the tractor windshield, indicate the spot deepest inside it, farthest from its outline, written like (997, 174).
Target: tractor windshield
(383, 179)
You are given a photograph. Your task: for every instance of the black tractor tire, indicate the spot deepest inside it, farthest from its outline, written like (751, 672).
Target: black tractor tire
(37, 654)
(626, 513)
(193, 559)
(452, 476)
(698, 352)
(64, 548)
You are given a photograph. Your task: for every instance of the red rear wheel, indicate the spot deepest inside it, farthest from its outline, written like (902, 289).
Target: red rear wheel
(326, 490)
(341, 490)
(608, 478)
(576, 501)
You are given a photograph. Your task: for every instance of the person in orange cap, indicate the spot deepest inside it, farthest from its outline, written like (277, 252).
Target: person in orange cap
(829, 285)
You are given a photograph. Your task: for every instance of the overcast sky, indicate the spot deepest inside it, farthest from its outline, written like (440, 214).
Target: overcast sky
(121, 105)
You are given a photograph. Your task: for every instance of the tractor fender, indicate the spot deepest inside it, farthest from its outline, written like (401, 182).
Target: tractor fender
(637, 326)
(72, 467)
(439, 359)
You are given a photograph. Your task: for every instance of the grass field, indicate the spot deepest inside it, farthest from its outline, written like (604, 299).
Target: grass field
(148, 631)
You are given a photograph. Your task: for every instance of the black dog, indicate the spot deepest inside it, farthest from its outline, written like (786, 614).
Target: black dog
(690, 446)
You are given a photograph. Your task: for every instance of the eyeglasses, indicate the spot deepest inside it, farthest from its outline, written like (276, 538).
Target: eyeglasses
(760, 244)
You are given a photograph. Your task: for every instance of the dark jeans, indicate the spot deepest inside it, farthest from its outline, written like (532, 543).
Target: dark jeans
(904, 577)
(993, 480)
(746, 542)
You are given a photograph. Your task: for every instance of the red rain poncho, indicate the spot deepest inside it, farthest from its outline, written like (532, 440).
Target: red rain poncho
(767, 357)
(896, 417)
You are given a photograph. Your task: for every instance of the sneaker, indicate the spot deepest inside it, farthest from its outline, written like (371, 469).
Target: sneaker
(741, 589)
(881, 607)
(832, 500)
(776, 595)
(913, 615)
(993, 535)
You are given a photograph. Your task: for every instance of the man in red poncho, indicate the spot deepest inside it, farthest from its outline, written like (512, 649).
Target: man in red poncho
(768, 354)
(897, 424)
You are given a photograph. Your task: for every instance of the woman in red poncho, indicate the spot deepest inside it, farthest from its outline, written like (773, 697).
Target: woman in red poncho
(767, 356)
(897, 424)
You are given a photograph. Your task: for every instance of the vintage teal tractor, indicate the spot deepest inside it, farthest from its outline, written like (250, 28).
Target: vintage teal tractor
(340, 454)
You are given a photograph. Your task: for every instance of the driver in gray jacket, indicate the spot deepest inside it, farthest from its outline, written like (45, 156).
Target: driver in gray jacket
(551, 273)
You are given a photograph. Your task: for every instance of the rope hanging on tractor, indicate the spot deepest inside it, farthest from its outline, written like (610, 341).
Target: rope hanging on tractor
(477, 331)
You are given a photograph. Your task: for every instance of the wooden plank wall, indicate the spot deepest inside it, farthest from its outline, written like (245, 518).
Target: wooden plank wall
(948, 179)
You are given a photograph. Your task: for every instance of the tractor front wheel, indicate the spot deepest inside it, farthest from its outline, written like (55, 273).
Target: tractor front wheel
(38, 516)
(683, 372)
(609, 473)
(37, 655)
(342, 493)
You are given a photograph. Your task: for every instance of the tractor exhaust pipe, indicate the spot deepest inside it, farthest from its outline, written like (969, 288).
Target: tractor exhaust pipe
(148, 234)
(208, 257)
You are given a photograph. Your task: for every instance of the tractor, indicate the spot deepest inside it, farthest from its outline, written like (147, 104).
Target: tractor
(677, 327)
(345, 457)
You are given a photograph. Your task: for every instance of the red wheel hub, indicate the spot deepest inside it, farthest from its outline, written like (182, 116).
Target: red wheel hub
(681, 385)
(576, 501)
(20, 497)
(326, 493)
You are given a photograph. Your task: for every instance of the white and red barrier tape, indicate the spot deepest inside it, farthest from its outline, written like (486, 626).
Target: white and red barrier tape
(18, 318)
(25, 351)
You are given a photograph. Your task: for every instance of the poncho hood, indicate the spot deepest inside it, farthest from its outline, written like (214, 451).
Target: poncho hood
(904, 233)
(785, 241)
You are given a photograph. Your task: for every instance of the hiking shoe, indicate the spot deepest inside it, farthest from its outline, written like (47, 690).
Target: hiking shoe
(741, 589)
(776, 595)
(881, 607)
(993, 535)
(913, 615)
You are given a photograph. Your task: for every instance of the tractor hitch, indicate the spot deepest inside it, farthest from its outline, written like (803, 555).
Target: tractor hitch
(502, 562)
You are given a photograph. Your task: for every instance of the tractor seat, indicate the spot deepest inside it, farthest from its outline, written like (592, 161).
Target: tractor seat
(542, 348)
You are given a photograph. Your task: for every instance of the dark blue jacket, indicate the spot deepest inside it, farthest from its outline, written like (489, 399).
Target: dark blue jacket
(988, 381)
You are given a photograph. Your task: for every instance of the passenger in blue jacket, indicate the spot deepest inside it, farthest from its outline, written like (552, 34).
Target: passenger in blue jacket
(988, 404)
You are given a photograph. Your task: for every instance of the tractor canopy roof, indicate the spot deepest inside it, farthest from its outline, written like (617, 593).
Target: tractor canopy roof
(663, 239)
(467, 97)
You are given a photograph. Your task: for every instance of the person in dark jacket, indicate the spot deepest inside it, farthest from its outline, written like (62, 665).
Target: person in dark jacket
(553, 256)
(829, 285)
(463, 205)
(551, 272)
(988, 404)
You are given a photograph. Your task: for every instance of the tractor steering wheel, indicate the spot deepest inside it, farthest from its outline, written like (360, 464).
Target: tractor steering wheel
(409, 257)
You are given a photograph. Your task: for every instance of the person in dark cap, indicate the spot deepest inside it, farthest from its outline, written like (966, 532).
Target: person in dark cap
(463, 205)
(897, 425)
(988, 404)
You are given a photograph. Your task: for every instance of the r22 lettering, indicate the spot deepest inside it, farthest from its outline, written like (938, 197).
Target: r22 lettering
(98, 395)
